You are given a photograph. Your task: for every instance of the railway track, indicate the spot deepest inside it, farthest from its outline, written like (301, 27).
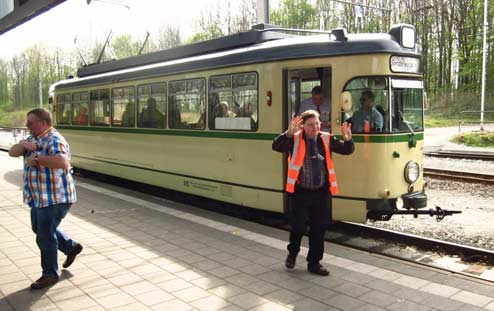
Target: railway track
(459, 175)
(471, 155)
(394, 244)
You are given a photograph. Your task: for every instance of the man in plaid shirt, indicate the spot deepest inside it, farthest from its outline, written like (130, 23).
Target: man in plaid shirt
(49, 191)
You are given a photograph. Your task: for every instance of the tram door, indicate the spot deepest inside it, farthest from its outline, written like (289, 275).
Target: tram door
(299, 84)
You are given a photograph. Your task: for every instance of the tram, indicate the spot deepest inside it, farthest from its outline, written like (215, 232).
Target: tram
(155, 118)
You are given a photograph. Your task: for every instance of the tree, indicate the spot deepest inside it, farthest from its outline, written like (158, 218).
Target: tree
(168, 37)
(209, 26)
(219, 22)
(18, 70)
(4, 82)
(295, 14)
(125, 46)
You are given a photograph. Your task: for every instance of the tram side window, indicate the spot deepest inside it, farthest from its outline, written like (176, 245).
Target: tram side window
(370, 109)
(63, 109)
(123, 106)
(233, 102)
(186, 104)
(100, 107)
(151, 100)
(80, 111)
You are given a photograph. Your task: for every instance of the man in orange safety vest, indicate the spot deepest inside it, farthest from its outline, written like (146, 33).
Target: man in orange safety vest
(311, 181)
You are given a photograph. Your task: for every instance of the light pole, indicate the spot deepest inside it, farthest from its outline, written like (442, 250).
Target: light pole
(484, 57)
(263, 11)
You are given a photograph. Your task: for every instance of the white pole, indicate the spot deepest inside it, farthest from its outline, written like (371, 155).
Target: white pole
(263, 11)
(484, 57)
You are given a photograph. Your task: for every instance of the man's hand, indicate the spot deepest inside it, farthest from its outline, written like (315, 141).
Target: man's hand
(22, 148)
(28, 146)
(31, 161)
(346, 131)
(294, 126)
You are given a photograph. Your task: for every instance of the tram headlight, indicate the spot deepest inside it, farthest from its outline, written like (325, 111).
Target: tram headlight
(412, 172)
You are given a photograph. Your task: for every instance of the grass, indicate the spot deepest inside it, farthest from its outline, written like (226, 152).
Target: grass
(446, 121)
(475, 139)
(13, 118)
(440, 122)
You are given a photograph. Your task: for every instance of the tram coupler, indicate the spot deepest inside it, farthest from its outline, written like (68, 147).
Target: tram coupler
(441, 213)
(386, 215)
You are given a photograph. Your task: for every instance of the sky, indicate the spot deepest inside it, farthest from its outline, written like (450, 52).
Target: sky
(75, 18)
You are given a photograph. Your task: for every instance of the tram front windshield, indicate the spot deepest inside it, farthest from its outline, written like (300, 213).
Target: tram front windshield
(407, 111)
(385, 105)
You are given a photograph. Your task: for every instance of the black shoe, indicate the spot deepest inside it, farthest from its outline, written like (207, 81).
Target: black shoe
(290, 261)
(44, 281)
(318, 269)
(76, 250)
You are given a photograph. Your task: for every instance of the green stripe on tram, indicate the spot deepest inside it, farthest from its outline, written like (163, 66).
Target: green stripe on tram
(188, 133)
(358, 138)
(393, 138)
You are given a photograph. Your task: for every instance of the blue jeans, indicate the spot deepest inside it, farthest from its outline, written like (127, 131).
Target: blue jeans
(50, 239)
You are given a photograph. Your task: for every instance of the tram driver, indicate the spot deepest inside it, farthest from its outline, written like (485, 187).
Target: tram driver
(367, 119)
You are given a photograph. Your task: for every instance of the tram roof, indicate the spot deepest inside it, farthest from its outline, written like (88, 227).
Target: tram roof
(244, 48)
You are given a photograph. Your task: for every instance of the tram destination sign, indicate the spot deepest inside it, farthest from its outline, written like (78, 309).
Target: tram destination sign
(15, 12)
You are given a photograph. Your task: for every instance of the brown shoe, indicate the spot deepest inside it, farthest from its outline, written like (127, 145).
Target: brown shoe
(44, 281)
(317, 269)
(290, 261)
(71, 255)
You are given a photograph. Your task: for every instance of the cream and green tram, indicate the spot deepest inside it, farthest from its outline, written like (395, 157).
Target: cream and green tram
(200, 118)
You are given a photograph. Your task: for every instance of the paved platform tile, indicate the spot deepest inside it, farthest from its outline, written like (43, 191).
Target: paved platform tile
(138, 259)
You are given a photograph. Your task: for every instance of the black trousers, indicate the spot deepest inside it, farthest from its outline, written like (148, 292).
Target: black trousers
(316, 207)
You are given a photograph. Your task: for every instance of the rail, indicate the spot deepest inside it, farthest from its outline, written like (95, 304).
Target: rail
(384, 241)
(463, 154)
(459, 176)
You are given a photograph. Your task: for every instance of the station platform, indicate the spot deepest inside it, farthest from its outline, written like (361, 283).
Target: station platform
(147, 253)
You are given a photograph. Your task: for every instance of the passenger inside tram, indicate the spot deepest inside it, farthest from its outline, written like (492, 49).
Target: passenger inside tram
(128, 115)
(247, 111)
(82, 117)
(225, 111)
(151, 116)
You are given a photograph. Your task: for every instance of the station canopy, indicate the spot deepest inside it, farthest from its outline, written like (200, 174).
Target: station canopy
(15, 12)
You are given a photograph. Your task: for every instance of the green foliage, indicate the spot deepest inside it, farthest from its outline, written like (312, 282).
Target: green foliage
(125, 46)
(213, 31)
(440, 122)
(295, 14)
(34, 70)
(485, 139)
(460, 106)
(13, 118)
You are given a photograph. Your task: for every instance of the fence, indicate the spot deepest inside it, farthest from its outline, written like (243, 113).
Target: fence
(461, 123)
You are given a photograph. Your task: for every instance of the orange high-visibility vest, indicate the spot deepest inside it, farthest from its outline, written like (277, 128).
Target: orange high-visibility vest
(296, 160)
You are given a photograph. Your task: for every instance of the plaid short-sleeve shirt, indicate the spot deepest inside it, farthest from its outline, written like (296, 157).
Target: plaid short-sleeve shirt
(44, 186)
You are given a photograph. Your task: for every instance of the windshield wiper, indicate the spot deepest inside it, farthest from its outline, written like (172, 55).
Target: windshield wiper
(406, 122)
